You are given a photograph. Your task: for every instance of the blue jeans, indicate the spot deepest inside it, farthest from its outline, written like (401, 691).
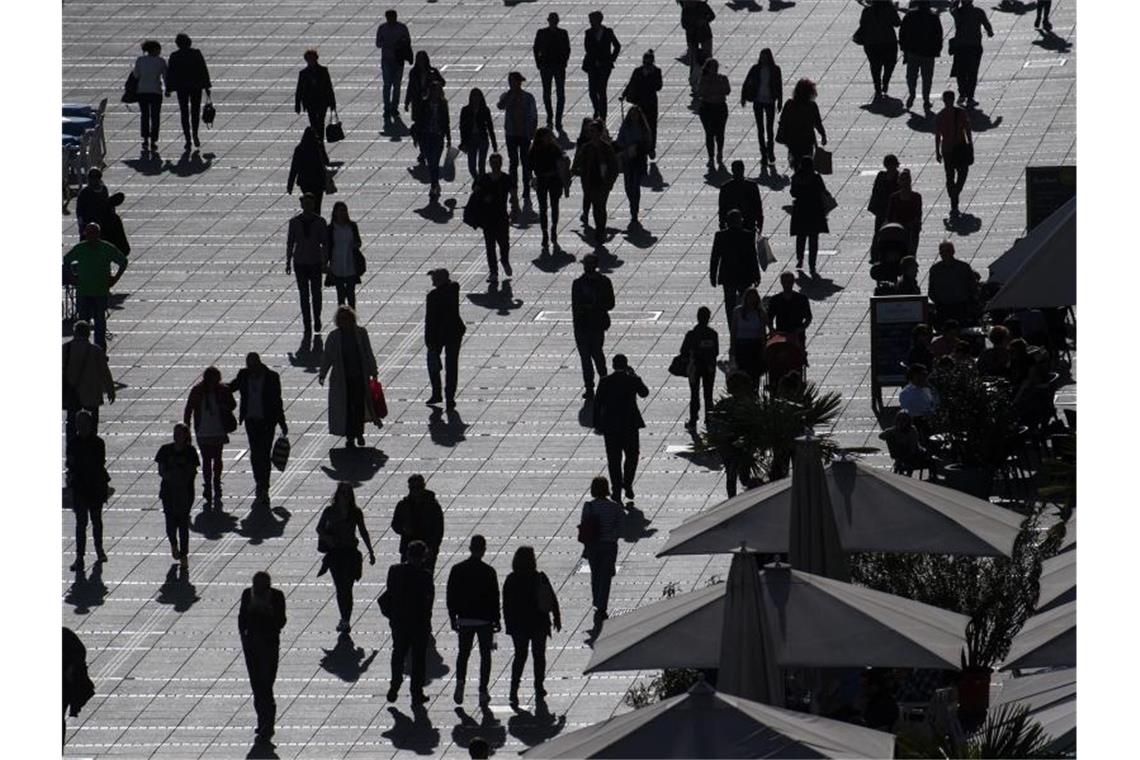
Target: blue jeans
(391, 72)
(93, 310)
(432, 146)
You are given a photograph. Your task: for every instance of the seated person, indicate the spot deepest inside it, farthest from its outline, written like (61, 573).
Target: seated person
(945, 343)
(908, 278)
(952, 285)
(905, 444)
(994, 361)
(1033, 400)
(918, 398)
(920, 346)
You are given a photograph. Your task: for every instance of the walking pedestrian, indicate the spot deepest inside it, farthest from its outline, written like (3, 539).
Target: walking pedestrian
(886, 183)
(809, 215)
(420, 78)
(211, 407)
(314, 93)
(966, 47)
(91, 261)
(701, 347)
(92, 202)
(309, 168)
(548, 162)
(764, 87)
(591, 300)
(596, 163)
(345, 259)
(188, 77)
(713, 91)
(395, 44)
(492, 192)
(743, 195)
(86, 380)
(602, 49)
(602, 520)
(789, 311)
(87, 480)
(696, 20)
(634, 141)
(920, 38)
(419, 517)
(336, 540)
(1044, 7)
(520, 120)
(150, 75)
(476, 133)
(750, 337)
(473, 609)
(644, 84)
(905, 208)
(261, 410)
(178, 464)
(880, 43)
(443, 331)
(432, 127)
(618, 419)
(306, 254)
(732, 264)
(410, 595)
(953, 148)
(551, 55)
(261, 616)
(348, 355)
(530, 609)
(799, 121)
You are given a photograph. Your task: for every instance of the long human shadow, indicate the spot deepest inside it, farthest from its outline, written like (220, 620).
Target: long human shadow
(346, 660)
(87, 591)
(779, 5)
(488, 728)
(534, 728)
(354, 465)
(307, 357)
(1016, 7)
(1052, 42)
(190, 163)
(212, 524)
(177, 590)
(745, 5)
(416, 734)
(498, 298)
(263, 523)
(554, 261)
(446, 428)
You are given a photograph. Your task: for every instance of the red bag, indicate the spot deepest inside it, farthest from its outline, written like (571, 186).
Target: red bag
(379, 404)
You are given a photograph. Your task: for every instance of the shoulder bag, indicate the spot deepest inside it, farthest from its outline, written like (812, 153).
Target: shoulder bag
(590, 529)
(131, 89)
(679, 367)
(334, 130)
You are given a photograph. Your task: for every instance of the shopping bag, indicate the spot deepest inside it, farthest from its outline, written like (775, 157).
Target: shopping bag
(822, 160)
(829, 202)
(764, 254)
(379, 403)
(334, 130)
(679, 366)
(280, 454)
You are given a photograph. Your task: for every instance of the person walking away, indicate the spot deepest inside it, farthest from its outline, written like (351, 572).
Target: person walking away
(306, 251)
(309, 168)
(547, 161)
(596, 163)
(91, 261)
(476, 133)
(633, 141)
(809, 217)
(880, 44)
(261, 616)
(178, 464)
(473, 609)
(551, 55)
(530, 610)
(602, 49)
(420, 79)
(492, 191)
(410, 594)
(952, 286)
(701, 347)
(261, 410)
(348, 355)
(87, 480)
(966, 47)
(344, 254)
(713, 91)
(314, 93)
(905, 208)
(419, 517)
(618, 419)
(732, 264)
(92, 202)
(443, 332)
(764, 87)
(86, 380)
(799, 122)
(211, 407)
(696, 20)
(886, 183)
(644, 84)
(789, 311)
(605, 519)
(188, 77)
(591, 300)
(520, 120)
(433, 129)
(920, 38)
(953, 148)
(336, 540)
(150, 73)
(743, 195)
(395, 44)
(77, 686)
(1044, 7)
(749, 337)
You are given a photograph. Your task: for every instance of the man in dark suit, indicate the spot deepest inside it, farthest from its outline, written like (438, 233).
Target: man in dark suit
(602, 51)
(473, 607)
(418, 517)
(742, 194)
(733, 262)
(314, 93)
(443, 330)
(410, 595)
(551, 54)
(261, 617)
(261, 410)
(644, 84)
(618, 419)
(591, 299)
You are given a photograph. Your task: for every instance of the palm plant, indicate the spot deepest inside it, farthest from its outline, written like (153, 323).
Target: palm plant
(1007, 733)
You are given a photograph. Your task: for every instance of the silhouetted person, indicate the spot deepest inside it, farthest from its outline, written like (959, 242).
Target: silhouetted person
(432, 128)
(314, 93)
(395, 44)
(473, 609)
(877, 25)
(596, 163)
(306, 251)
(907, 283)
(789, 311)
(261, 410)
(644, 84)
(799, 121)
(920, 38)
(696, 20)
(749, 339)
(886, 183)
(809, 217)
(601, 52)
(520, 120)
(111, 224)
(261, 617)
(713, 90)
(732, 264)
(345, 258)
(443, 332)
(308, 168)
(178, 464)
(953, 148)
(952, 285)
(210, 406)
(1044, 7)
(476, 132)
(551, 55)
(966, 47)
(92, 201)
(86, 379)
(348, 355)
(605, 519)
(701, 347)
(905, 207)
(87, 479)
(742, 194)
(420, 78)
(633, 141)
(764, 87)
(618, 419)
(336, 540)
(150, 73)
(418, 517)
(188, 77)
(546, 161)
(994, 361)
(410, 595)
(77, 687)
(91, 261)
(530, 607)
(493, 191)
(591, 300)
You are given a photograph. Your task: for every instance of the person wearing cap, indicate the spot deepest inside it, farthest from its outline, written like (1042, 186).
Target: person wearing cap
(92, 260)
(644, 84)
(395, 44)
(443, 330)
(618, 419)
(551, 54)
(520, 120)
(601, 52)
(591, 300)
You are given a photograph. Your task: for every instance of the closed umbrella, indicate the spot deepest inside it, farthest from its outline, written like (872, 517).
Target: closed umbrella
(748, 665)
(1047, 640)
(813, 539)
(1058, 581)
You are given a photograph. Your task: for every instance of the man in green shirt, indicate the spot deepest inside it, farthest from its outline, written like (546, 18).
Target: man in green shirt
(91, 261)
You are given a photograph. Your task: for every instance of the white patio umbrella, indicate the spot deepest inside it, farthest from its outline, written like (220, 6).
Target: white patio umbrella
(1047, 640)
(706, 723)
(1052, 701)
(747, 666)
(813, 540)
(1058, 581)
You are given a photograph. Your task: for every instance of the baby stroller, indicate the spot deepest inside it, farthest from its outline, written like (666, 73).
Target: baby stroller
(783, 353)
(887, 255)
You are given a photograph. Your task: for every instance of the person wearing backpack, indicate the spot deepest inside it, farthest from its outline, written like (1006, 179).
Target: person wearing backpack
(178, 464)
(600, 529)
(530, 610)
(419, 517)
(211, 408)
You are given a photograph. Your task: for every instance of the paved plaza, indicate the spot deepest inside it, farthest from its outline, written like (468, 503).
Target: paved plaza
(206, 284)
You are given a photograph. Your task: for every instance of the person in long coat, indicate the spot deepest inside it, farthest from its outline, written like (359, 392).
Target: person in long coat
(809, 217)
(348, 354)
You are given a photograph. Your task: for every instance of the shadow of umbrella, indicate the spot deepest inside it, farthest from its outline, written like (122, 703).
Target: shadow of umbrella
(354, 465)
(346, 661)
(416, 734)
(87, 591)
(534, 728)
(262, 523)
(498, 297)
(177, 590)
(489, 728)
(447, 431)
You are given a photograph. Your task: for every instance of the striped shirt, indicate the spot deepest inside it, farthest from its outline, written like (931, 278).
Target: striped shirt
(609, 515)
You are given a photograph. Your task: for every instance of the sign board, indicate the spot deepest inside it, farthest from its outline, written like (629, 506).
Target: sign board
(1047, 188)
(892, 321)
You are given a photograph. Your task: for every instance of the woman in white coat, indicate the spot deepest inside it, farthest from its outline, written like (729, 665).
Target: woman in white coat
(348, 353)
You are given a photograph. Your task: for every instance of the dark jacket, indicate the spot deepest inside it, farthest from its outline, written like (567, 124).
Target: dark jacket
(307, 169)
(733, 259)
(421, 118)
(951, 282)
(442, 323)
(696, 17)
(178, 470)
(411, 593)
(418, 84)
(742, 194)
(615, 404)
(551, 49)
(87, 469)
(474, 128)
(643, 87)
(789, 312)
(601, 54)
(808, 217)
(799, 122)
(357, 245)
(273, 408)
(521, 613)
(591, 299)
(314, 89)
(921, 34)
(91, 205)
(878, 22)
(419, 518)
(186, 71)
(224, 398)
(752, 83)
(113, 231)
(259, 626)
(77, 686)
(968, 25)
(473, 591)
(491, 197)
(885, 186)
(701, 346)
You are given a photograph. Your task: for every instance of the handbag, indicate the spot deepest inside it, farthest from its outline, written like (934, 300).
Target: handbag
(822, 161)
(764, 254)
(334, 130)
(679, 367)
(828, 202)
(131, 89)
(280, 454)
(858, 37)
(330, 183)
(589, 530)
(358, 262)
(472, 212)
(209, 112)
(379, 403)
